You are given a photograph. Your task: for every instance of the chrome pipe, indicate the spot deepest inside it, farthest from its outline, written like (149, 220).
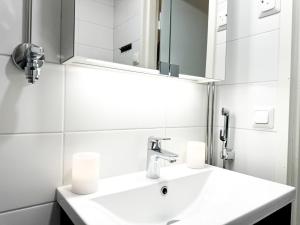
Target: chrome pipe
(211, 148)
(207, 156)
(28, 23)
(27, 56)
(210, 123)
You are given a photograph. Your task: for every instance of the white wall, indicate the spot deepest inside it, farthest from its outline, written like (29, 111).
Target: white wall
(253, 82)
(75, 109)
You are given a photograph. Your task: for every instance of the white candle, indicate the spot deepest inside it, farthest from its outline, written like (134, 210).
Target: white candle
(85, 172)
(195, 154)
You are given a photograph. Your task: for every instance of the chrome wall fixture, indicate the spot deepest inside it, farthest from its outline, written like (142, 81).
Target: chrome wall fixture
(226, 153)
(210, 123)
(27, 56)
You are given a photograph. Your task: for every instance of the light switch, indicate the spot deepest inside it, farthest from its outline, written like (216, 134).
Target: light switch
(261, 117)
(269, 7)
(264, 118)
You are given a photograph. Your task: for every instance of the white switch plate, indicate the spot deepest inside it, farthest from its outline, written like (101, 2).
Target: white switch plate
(269, 7)
(263, 118)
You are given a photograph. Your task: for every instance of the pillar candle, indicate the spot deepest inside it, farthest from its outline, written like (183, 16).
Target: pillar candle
(195, 155)
(85, 172)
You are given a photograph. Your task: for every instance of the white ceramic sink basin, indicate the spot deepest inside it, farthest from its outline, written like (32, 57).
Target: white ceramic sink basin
(207, 196)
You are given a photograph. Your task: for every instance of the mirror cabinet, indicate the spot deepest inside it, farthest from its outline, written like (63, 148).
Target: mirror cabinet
(181, 38)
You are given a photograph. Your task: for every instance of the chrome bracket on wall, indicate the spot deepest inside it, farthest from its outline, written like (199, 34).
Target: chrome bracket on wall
(174, 70)
(27, 56)
(164, 68)
(169, 69)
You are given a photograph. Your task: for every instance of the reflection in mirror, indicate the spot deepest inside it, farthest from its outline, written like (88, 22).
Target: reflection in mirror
(118, 31)
(189, 27)
(173, 36)
(111, 30)
(190, 32)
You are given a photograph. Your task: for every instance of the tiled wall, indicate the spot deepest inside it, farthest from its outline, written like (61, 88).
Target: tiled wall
(251, 83)
(78, 109)
(95, 29)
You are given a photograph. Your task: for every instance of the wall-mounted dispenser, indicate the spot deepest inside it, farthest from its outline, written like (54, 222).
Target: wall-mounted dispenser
(27, 56)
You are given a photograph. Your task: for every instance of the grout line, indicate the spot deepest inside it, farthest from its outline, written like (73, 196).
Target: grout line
(63, 124)
(249, 129)
(131, 129)
(26, 207)
(94, 46)
(96, 24)
(4, 54)
(248, 83)
(31, 133)
(253, 35)
(91, 131)
(126, 21)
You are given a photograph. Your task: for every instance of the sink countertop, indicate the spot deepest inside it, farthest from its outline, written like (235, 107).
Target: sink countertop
(225, 197)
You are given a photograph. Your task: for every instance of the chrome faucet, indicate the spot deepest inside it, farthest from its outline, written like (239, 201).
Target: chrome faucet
(154, 153)
(226, 153)
(27, 56)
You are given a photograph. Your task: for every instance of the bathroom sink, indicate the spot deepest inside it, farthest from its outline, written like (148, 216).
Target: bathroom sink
(182, 196)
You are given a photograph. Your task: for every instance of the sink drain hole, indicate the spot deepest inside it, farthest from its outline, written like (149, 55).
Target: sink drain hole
(172, 222)
(164, 190)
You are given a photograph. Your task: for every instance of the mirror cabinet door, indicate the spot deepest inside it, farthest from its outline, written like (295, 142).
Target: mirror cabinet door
(196, 28)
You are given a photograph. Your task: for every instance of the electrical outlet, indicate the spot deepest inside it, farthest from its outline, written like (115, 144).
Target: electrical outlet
(269, 7)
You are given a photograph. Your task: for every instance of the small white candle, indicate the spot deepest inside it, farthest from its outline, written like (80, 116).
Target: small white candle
(195, 154)
(85, 172)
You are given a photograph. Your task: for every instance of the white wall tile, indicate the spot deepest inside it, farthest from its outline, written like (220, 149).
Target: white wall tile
(128, 32)
(180, 137)
(99, 99)
(256, 152)
(94, 52)
(30, 108)
(243, 19)
(47, 214)
(220, 62)
(185, 102)
(30, 169)
(97, 12)
(125, 10)
(242, 101)
(121, 151)
(95, 35)
(253, 59)
(11, 26)
(46, 27)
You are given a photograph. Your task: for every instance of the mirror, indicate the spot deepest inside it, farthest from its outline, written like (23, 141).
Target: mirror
(171, 37)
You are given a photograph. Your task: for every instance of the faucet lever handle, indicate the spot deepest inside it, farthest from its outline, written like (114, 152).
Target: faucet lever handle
(154, 143)
(159, 139)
